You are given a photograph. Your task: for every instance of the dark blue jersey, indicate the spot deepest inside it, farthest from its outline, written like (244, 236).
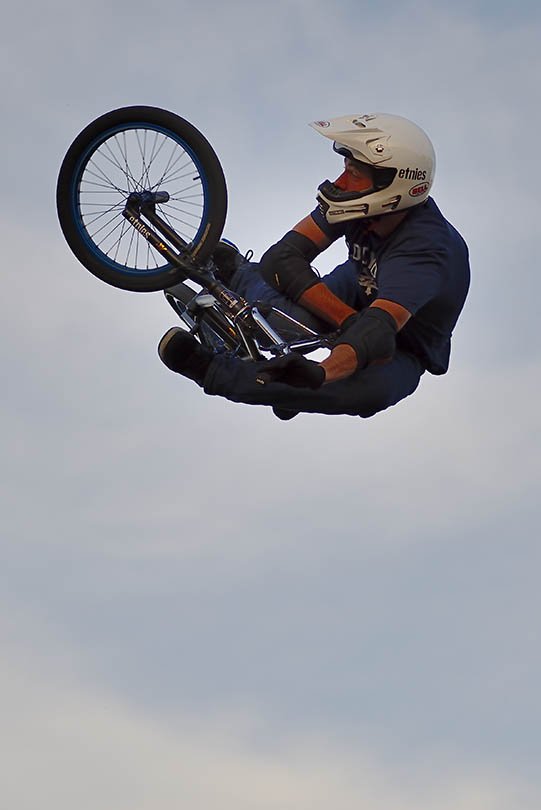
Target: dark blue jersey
(423, 266)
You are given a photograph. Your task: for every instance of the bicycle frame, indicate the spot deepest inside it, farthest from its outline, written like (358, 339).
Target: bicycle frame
(244, 321)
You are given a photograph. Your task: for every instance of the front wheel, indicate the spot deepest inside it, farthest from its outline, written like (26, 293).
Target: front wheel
(137, 150)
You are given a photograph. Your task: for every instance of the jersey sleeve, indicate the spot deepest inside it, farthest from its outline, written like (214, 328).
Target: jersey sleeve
(411, 275)
(333, 232)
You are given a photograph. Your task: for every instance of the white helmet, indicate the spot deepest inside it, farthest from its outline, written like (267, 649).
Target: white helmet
(398, 154)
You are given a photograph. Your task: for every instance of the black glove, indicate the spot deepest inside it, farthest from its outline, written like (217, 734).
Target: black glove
(350, 320)
(292, 369)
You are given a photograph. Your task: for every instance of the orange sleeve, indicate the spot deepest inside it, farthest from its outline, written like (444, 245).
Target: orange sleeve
(307, 227)
(322, 302)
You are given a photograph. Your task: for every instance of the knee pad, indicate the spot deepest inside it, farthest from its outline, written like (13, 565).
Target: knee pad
(286, 265)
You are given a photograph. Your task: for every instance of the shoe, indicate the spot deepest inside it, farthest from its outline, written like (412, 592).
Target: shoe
(284, 414)
(183, 354)
(227, 258)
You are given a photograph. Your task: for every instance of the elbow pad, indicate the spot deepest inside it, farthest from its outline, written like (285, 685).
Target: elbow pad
(286, 265)
(372, 334)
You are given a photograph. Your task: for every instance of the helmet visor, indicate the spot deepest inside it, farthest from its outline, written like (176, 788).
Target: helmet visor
(381, 177)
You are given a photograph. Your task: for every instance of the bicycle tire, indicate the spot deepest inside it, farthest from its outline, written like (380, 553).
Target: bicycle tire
(90, 203)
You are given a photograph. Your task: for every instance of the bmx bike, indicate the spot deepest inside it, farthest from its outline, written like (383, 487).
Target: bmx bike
(142, 201)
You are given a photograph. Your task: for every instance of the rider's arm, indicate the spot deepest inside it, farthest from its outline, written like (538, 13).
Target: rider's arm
(286, 267)
(371, 338)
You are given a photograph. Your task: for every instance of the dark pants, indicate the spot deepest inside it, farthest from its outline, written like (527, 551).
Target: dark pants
(362, 394)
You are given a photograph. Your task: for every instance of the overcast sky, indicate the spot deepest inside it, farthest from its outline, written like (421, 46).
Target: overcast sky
(202, 607)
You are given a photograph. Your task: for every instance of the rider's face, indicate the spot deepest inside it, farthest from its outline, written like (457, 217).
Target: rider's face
(355, 177)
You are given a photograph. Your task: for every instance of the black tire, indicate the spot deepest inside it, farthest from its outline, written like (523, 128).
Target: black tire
(106, 162)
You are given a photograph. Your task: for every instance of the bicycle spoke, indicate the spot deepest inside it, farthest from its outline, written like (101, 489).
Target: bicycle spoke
(132, 237)
(119, 240)
(108, 234)
(173, 174)
(92, 218)
(170, 219)
(181, 221)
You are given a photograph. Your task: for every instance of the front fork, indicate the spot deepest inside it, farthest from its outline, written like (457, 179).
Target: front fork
(143, 204)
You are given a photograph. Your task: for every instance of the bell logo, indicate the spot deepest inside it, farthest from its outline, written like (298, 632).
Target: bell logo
(417, 191)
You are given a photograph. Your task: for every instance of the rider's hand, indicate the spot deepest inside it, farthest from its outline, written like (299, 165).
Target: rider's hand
(292, 369)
